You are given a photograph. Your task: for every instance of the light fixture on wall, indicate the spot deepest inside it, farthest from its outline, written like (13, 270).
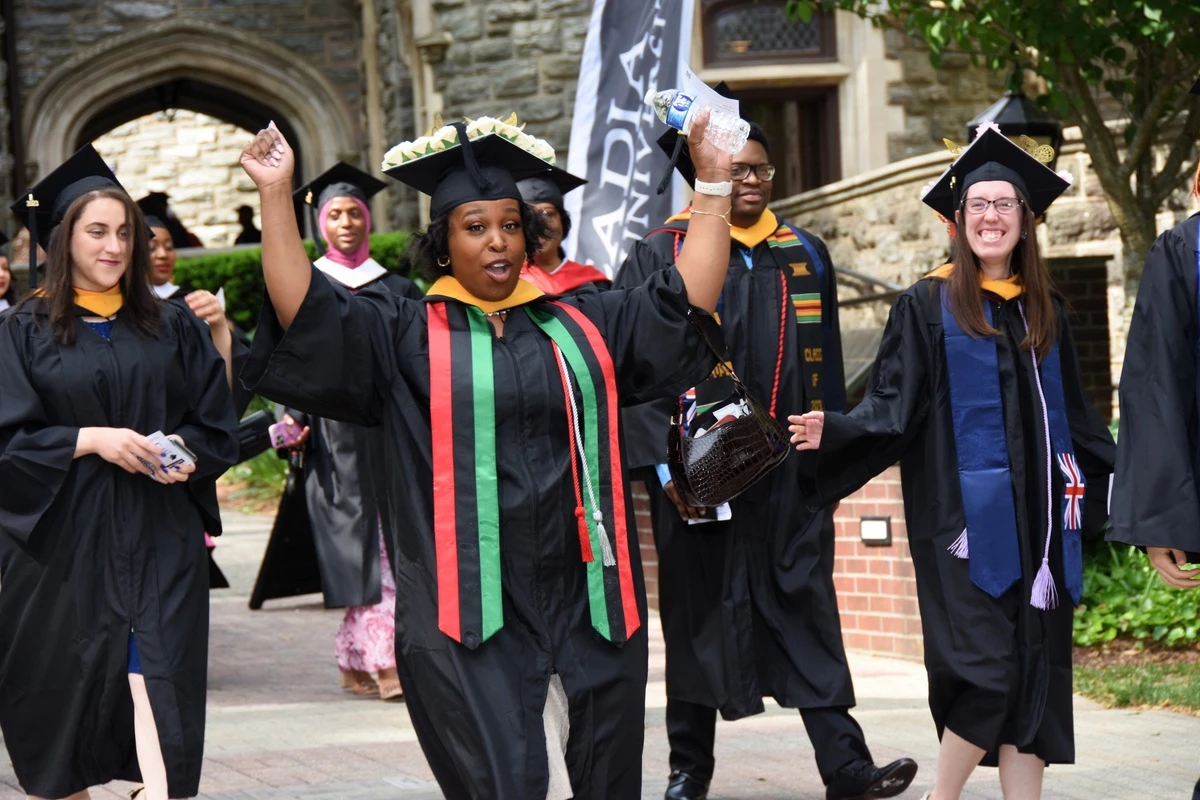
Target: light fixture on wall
(875, 531)
(1017, 115)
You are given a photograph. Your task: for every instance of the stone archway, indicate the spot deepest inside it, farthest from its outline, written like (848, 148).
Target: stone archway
(65, 106)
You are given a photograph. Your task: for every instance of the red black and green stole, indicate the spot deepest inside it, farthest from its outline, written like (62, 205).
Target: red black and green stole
(801, 278)
(465, 485)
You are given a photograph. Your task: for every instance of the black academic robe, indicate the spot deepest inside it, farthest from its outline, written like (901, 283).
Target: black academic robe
(1156, 486)
(331, 506)
(93, 552)
(478, 713)
(748, 606)
(999, 669)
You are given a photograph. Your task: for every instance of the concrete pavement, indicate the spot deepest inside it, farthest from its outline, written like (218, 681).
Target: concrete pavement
(280, 728)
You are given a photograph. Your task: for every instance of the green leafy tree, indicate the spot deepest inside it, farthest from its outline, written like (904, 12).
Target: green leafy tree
(1093, 54)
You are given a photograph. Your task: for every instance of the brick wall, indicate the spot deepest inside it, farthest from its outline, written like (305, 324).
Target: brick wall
(1084, 282)
(877, 593)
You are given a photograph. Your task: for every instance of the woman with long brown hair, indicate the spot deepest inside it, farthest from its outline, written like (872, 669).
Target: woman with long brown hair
(976, 392)
(104, 607)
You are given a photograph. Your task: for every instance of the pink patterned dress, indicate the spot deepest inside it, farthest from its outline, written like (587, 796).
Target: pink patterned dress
(367, 639)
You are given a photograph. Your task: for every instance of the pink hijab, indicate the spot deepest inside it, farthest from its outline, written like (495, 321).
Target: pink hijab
(350, 260)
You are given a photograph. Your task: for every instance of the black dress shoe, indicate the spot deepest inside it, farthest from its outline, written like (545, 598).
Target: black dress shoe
(682, 786)
(862, 780)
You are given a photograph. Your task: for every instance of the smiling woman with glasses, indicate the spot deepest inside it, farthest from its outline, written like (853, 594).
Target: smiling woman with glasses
(977, 393)
(1003, 205)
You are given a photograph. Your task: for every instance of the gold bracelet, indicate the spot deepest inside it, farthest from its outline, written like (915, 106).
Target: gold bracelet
(724, 216)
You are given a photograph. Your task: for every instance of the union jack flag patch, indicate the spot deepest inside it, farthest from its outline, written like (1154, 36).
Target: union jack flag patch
(1073, 491)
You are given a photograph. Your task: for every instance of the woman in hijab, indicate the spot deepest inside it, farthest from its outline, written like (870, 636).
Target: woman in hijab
(337, 466)
(519, 595)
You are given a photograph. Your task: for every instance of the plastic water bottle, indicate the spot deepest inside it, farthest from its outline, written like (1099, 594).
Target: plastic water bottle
(679, 110)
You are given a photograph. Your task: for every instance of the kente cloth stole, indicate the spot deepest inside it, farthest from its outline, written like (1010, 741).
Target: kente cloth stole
(990, 541)
(801, 271)
(465, 484)
(804, 274)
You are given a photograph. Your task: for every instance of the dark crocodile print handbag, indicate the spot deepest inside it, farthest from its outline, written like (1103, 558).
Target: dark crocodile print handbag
(721, 463)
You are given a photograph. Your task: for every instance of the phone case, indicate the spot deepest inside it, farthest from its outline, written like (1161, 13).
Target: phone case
(284, 434)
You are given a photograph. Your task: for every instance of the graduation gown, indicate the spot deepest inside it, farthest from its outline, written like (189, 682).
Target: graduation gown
(999, 669)
(1156, 494)
(325, 536)
(748, 606)
(478, 712)
(570, 276)
(94, 553)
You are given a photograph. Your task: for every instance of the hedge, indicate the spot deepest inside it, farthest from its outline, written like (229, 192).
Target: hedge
(239, 272)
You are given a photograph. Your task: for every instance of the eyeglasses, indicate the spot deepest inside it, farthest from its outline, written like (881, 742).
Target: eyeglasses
(765, 172)
(1004, 205)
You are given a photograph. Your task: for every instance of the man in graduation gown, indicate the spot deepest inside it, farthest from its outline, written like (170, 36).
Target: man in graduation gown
(748, 604)
(551, 270)
(1156, 483)
(331, 505)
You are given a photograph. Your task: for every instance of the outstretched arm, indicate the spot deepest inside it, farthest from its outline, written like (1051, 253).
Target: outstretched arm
(270, 162)
(704, 259)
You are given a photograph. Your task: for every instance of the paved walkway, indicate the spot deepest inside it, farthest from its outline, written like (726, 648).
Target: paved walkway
(279, 726)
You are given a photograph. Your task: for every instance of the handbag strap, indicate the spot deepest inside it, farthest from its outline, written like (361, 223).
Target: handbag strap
(721, 358)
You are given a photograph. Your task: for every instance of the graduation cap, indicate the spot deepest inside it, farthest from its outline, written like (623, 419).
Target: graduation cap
(340, 180)
(549, 187)
(4, 239)
(154, 222)
(44, 206)
(994, 157)
(1196, 87)
(487, 168)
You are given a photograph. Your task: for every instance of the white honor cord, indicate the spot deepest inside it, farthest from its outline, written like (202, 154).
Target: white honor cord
(606, 552)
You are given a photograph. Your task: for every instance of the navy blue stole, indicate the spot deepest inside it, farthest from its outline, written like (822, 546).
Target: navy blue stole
(990, 541)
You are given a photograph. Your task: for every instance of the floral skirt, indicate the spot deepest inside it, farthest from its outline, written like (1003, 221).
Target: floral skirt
(366, 642)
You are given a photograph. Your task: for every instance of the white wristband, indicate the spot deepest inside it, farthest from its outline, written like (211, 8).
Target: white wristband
(722, 189)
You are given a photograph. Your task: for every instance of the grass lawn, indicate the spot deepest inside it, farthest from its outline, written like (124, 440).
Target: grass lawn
(1172, 683)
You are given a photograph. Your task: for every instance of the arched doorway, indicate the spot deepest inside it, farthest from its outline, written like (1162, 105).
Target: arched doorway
(208, 68)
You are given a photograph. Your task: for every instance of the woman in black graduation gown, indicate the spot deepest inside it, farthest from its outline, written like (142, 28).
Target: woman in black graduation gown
(332, 504)
(104, 607)
(976, 392)
(519, 586)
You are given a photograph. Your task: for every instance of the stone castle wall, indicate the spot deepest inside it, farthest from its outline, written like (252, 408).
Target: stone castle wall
(520, 55)
(194, 159)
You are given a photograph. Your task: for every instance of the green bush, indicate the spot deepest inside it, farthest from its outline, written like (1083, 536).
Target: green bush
(240, 273)
(1124, 597)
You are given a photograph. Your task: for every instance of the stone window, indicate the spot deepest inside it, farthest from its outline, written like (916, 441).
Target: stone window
(741, 32)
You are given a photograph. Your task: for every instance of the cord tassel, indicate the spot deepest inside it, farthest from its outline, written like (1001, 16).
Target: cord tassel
(960, 548)
(585, 541)
(1045, 596)
(606, 552)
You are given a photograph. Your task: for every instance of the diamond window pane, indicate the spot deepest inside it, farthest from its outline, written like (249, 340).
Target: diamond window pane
(756, 31)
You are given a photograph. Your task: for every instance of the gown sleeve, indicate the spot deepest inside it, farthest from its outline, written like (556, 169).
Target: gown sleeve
(209, 427)
(1154, 496)
(644, 425)
(35, 456)
(241, 352)
(1093, 444)
(656, 349)
(857, 446)
(835, 368)
(338, 359)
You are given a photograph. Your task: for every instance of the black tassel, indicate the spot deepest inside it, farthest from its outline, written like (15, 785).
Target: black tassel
(666, 178)
(314, 220)
(473, 169)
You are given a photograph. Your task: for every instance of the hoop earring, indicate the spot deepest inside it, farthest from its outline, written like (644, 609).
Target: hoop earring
(443, 261)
